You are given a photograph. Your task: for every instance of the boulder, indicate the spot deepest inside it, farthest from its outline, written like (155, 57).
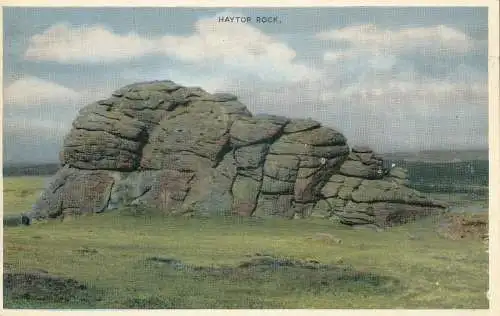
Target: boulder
(361, 149)
(182, 150)
(366, 167)
(398, 173)
(360, 196)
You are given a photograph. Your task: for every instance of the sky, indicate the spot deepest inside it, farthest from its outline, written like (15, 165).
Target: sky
(395, 79)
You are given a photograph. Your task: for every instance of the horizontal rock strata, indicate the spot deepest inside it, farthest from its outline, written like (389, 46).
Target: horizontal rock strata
(181, 150)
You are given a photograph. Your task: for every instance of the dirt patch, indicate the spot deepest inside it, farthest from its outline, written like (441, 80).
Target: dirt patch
(464, 226)
(43, 287)
(26, 192)
(325, 238)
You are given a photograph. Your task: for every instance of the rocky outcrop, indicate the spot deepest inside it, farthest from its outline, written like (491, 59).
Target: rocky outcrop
(181, 150)
(364, 193)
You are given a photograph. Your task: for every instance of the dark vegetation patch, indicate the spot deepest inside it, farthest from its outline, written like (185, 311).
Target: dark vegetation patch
(148, 302)
(84, 251)
(289, 275)
(41, 287)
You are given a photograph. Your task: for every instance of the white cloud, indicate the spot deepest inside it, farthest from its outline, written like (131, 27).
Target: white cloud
(37, 114)
(380, 108)
(402, 108)
(366, 90)
(92, 44)
(369, 38)
(26, 126)
(34, 106)
(32, 92)
(240, 46)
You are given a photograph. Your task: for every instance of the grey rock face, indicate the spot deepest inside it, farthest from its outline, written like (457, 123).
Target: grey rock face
(182, 150)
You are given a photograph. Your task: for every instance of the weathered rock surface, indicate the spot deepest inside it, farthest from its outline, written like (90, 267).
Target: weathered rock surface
(182, 150)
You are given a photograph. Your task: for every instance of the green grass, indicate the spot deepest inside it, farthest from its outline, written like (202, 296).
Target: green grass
(409, 266)
(20, 193)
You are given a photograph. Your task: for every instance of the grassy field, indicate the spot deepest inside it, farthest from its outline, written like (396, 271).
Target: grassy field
(19, 193)
(144, 261)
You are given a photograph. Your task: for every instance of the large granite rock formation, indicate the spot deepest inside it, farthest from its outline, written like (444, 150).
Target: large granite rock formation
(182, 150)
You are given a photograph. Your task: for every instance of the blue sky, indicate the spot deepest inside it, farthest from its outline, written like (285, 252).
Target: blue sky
(396, 79)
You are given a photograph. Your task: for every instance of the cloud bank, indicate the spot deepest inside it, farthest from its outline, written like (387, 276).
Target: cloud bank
(366, 80)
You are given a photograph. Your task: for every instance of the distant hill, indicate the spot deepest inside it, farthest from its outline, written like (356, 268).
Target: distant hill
(464, 171)
(439, 156)
(16, 170)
